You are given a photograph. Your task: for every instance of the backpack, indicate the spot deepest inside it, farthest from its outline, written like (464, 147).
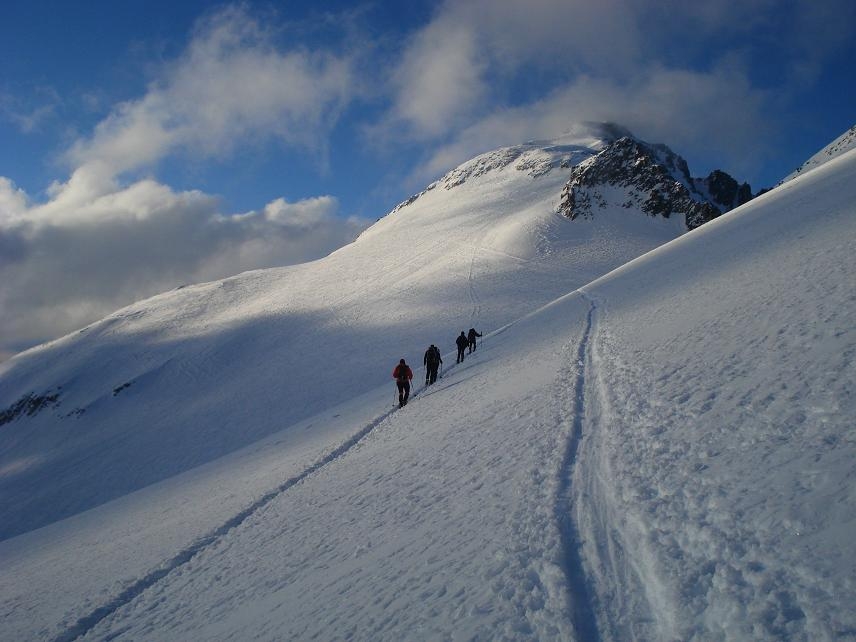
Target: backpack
(401, 374)
(433, 355)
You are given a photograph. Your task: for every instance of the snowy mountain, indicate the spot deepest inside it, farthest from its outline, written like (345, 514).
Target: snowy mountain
(658, 451)
(185, 377)
(535, 159)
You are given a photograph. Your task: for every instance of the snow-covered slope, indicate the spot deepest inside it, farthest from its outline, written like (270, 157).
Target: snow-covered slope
(181, 379)
(836, 148)
(715, 487)
(665, 453)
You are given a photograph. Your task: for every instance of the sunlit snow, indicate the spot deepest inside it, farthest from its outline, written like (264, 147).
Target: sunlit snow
(664, 452)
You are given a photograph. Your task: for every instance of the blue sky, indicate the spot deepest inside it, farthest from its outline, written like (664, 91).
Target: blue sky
(145, 144)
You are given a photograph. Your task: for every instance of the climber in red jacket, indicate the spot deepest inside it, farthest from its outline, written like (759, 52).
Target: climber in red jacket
(402, 375)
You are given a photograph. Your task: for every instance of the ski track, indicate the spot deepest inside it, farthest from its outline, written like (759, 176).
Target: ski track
(473, 296)
(85, 624)
(580, 594)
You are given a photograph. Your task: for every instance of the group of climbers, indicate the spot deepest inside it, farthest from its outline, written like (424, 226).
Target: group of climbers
(466, 340)
(432, 362)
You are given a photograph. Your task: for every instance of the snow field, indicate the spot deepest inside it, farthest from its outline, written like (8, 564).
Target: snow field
(721, 448)
(234, 361)
(443, 528)
(691, 411)
(63, 572)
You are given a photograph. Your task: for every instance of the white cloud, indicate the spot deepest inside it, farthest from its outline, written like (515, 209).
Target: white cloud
(438, 81)
(29, 117)
(456, 66)
(100, 242)
(578, 35)
(230, 86)
(674, 71)
(717, 113)
(303, 215)
(59, 272)
(13, 201)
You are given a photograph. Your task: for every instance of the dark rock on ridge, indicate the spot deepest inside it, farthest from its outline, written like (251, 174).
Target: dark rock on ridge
(656, 180)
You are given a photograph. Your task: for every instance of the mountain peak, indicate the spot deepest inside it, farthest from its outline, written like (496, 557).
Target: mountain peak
(534, 158)
(652, 178)
(600, 156)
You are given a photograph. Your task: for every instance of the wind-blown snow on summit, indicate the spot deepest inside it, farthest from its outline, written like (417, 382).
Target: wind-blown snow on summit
(664, 452)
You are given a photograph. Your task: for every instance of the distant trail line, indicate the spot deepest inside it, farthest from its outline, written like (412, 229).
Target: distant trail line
(581, 602)
(473, 295)
(88, 622)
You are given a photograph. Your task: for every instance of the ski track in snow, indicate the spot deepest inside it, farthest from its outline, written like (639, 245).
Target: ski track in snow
(85, 624)
(580, 596)
(473, 296)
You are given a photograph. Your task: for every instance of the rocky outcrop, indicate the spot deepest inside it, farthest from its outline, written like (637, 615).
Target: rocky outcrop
(726, 192)
(28, 405)
(654, 179)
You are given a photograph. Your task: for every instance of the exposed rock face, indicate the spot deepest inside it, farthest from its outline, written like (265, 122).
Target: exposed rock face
(655, 179)
(30, 404)
(725, 191)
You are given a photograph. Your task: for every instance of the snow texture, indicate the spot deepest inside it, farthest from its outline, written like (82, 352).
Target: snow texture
(665, 452)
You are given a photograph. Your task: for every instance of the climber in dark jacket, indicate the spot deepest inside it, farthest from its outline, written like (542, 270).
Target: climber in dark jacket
(432, 362)
(471, 338)
(462, 342)
(402, 375)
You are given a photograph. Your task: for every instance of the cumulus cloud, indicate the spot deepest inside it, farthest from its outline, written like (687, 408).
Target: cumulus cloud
(439, 81)
(13, 201)
(231, 85)
(61, 272)
(105, 237)
(456, 67)
(681, 108)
